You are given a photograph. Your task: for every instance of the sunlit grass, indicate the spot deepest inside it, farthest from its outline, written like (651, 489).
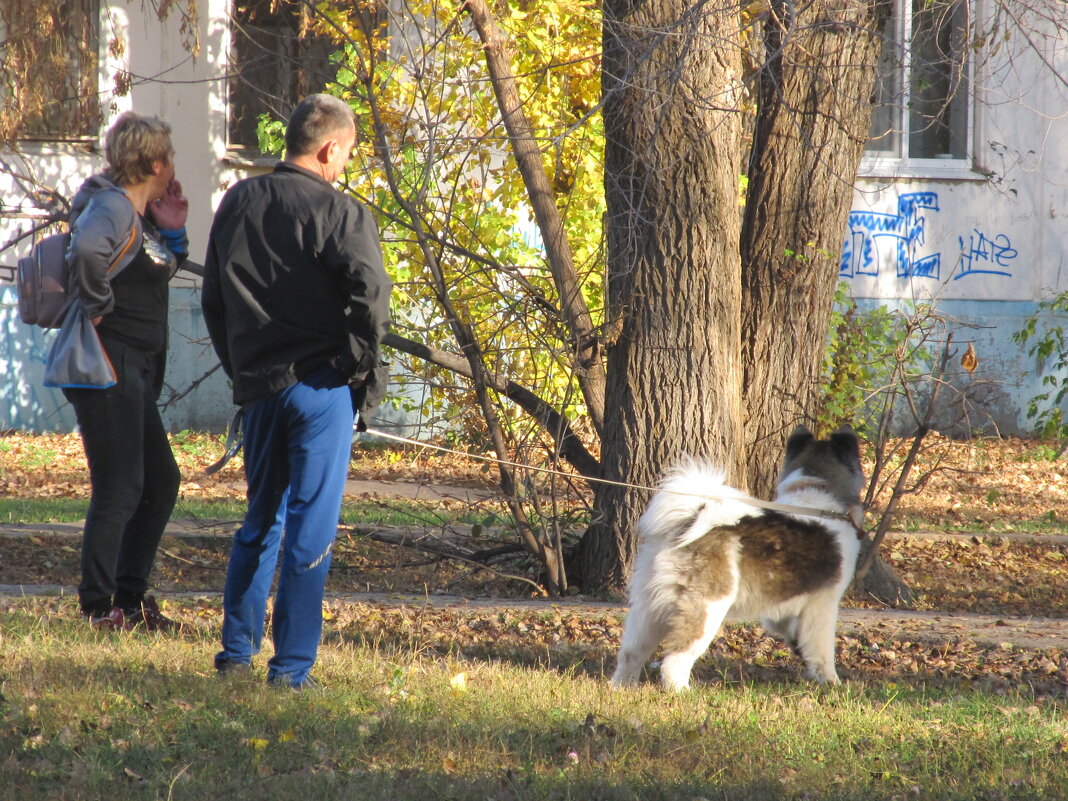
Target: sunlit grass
(354, 511)
(1048, 523)
(138, 716)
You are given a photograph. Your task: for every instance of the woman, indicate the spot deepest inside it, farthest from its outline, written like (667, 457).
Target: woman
(129, 221)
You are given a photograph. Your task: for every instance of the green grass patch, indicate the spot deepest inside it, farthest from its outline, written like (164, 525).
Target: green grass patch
(16, 511)
(394, 512)
(136, 716)
(402, 512)
(1043, 452)
(1051, 522)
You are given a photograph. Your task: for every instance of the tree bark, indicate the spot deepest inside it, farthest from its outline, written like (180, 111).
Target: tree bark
(672, 131)
(812, 120)
(880, 582)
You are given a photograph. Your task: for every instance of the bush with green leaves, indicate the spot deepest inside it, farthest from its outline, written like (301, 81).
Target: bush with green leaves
(1045, 334)
(864, 349)
(433, 159)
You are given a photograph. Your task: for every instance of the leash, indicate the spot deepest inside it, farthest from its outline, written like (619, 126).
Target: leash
(235, 437)
(786, 508)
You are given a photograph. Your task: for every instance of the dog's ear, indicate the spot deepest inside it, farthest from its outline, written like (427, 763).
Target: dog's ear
(846, 444)
(799, 439)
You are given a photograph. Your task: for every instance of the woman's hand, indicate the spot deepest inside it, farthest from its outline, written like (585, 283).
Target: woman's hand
(171, 209)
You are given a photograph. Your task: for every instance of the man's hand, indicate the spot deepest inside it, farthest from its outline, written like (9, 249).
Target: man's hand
(170, 210)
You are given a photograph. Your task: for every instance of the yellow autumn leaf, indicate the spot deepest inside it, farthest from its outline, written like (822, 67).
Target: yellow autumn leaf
(258, 744)
(755, 9)
(459, 682)
(969, 361)
(287, 737)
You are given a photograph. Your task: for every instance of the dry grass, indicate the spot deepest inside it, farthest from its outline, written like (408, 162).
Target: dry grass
(406, 717)
(510, 704)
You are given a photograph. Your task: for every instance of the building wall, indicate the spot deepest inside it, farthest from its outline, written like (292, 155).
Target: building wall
(986, 243)
(25, 403)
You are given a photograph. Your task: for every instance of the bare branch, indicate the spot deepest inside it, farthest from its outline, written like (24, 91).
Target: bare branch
(586, 352)
(569, 445)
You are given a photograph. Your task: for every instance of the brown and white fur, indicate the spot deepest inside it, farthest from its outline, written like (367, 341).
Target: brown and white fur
(700, 558)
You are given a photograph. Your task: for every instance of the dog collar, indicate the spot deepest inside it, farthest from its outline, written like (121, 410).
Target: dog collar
(808, 482)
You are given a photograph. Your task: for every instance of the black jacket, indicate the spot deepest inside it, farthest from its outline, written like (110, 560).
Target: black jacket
(293, 282)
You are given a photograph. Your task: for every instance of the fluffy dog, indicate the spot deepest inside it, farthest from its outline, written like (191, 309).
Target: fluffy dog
(702, 557)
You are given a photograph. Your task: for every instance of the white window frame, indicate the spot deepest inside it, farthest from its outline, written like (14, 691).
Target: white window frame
(898, 163)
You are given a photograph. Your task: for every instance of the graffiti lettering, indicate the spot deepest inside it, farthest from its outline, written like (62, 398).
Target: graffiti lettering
(980, 254)
(899, 235)
(879, 240)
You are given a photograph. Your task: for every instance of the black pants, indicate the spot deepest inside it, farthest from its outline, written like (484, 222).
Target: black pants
(134, 480)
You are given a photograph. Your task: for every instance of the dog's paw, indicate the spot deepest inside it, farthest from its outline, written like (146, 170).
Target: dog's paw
(820, 678)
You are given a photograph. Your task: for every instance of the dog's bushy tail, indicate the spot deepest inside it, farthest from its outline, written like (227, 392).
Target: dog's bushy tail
(692, 499)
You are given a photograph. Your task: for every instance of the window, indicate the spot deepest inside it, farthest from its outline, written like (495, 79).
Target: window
(49, 78)
(923, 89)
(276, 59)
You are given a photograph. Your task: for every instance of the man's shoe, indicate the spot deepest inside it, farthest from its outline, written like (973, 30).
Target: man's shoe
(149, 616)
(224, 668)
(307, 683)
(114, 620)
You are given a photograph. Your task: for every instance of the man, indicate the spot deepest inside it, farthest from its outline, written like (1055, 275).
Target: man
(296, 300)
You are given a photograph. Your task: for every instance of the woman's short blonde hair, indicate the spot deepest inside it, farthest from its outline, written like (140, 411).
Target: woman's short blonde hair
(132, 144)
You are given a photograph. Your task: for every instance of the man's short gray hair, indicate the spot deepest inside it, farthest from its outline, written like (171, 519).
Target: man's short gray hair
(315, 119)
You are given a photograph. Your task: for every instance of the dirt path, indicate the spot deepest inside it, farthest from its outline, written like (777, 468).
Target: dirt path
(903, 625)
(1031, 633)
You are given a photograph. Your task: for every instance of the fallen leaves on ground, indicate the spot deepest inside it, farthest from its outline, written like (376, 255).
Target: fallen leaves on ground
(990, 485)
(53, 465)
(993, 485)
(995, 576)
(584, 641)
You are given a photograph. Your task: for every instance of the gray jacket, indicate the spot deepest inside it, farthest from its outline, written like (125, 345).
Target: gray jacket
(106, 232)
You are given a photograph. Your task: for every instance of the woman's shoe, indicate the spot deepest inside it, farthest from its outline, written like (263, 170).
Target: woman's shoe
(115, 620)
(149, 616)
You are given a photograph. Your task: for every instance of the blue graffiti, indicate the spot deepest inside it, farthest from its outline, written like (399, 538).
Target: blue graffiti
(903, 233)
(981, 254)
(877, 238)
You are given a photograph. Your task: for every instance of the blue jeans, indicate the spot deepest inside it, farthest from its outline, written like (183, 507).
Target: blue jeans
(297, 444)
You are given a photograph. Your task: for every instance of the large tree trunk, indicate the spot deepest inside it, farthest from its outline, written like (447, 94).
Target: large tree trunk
(813, 114)
(670, 80)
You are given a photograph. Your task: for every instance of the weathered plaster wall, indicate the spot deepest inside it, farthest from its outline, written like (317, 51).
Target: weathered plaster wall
(25, 403)
(986, 241)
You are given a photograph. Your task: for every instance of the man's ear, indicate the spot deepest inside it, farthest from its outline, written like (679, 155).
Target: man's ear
(326, 151)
